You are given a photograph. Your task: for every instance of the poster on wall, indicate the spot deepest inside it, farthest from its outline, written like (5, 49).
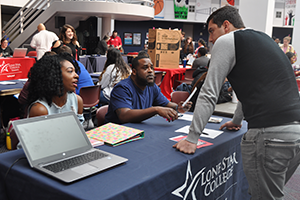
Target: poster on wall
(202, 10)
(159, 9)
(127, 39)
(137, 38)
(181, 9)
(227, 2)
(289, 11)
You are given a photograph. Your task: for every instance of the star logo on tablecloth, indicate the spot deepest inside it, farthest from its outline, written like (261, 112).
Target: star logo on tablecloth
(190, 184)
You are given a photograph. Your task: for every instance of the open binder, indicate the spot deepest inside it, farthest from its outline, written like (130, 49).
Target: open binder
(114, 134)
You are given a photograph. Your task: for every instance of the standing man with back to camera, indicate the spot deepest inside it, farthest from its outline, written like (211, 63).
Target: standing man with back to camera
(268, 100)
(42, 41)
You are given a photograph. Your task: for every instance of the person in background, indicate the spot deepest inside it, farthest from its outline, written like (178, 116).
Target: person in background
(145, 46)
(188, 46)
(291, 56)
(182, 46)
(202, 60)
(138, 98)
(201, 44)
(115, 41)
(115, 70)
(270, 148)
(52, 84)
(277, 40)
(5, 50)
(42, 41)
(287, 47)
(143, 53)
(102, 47)
(85, 78)
(68, 37)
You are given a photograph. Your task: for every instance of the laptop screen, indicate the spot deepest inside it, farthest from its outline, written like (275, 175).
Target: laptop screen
(51, 136)
(19, 53)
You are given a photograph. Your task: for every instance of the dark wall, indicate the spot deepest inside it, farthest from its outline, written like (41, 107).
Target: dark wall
(200, 31)
(143, 27)
(282, 32)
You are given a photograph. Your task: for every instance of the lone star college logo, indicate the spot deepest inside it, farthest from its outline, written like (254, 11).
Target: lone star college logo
(192, 186)
(209, 179)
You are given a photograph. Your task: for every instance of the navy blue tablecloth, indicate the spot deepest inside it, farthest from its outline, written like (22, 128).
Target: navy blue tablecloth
(19, 85)
(154, 170)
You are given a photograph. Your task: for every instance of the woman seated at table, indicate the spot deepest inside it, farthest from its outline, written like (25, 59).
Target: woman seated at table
(67, 37)
(115, 70)
(53, 80)
(5, 50)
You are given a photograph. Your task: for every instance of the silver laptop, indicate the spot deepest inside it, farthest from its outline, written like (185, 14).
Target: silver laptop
(19, 52)
(58, 146)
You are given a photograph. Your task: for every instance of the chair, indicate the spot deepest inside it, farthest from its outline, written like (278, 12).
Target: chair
(178, 96)
(31, 53)
(91, 97)
(158, 78)
(100, 115)
(188, 77)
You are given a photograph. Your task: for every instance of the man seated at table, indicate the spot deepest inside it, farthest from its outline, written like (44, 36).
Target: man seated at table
(138, 98)
(202, 60)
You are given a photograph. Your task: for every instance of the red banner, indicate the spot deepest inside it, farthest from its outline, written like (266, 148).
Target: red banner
(15, 68)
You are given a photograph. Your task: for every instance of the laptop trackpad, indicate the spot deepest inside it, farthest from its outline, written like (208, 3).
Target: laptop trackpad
(84, 169)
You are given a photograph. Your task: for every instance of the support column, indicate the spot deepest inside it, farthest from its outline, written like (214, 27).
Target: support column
(99, 28)
(258, 14)
(296, 32)
(108, 25)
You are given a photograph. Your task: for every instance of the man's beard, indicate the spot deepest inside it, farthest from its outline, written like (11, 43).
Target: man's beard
(142, 81)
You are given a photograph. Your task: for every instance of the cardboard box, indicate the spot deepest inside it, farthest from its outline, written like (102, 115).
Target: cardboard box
(164, 47)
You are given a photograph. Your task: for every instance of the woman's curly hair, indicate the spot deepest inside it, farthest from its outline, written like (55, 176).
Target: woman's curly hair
(45, 77)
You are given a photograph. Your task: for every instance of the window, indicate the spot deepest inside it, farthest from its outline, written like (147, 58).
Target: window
(191, 8)
(278, 14)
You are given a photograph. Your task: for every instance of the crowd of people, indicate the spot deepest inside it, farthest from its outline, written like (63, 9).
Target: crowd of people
(55, 80)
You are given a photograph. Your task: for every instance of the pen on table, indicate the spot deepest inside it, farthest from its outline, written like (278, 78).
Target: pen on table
(205, 133)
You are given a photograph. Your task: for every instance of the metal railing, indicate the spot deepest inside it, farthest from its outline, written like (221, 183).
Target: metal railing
(33, 8)
(24, 17)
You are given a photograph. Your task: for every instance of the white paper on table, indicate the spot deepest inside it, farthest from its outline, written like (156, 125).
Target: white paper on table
(7, 83)
(211, 133)
(186, 117)
(184, 129)
(23, 79)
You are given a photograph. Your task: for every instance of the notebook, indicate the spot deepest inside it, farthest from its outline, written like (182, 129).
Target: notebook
(20, 52)
(60, 138)
(114, 134)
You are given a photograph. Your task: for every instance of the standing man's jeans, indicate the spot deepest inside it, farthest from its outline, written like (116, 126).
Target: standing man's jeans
(270, 157)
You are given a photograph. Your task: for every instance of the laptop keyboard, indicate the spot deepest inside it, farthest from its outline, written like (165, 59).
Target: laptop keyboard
(76, 161)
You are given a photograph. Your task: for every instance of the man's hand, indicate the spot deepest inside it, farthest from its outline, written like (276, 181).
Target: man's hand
(186, 107)
(231, 126)
(185, 147)
(169, 113)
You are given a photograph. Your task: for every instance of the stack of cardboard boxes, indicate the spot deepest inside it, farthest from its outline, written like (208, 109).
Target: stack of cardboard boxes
(164, 47)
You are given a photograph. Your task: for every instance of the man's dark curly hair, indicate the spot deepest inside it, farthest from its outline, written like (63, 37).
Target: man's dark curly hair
(45, 77)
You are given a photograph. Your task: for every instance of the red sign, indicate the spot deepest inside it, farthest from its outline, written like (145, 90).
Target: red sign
(15, 68)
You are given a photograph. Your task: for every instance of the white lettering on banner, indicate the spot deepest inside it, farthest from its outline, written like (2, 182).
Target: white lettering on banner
(209, 179)
(7, 67)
